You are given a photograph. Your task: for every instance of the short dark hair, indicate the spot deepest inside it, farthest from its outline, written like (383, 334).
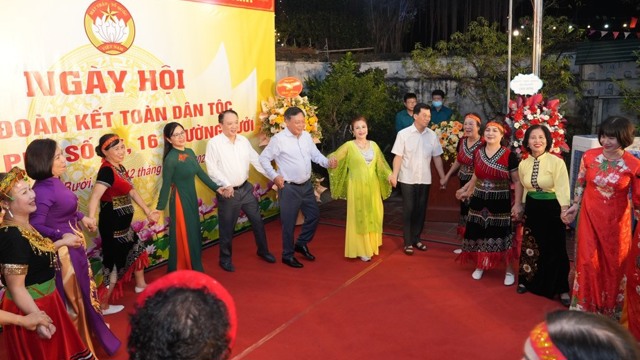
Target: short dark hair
(587, 336)
(437, 92)
(180, 324)
(619, 127)
(358, 118)
(408, 96)
(167, 132)
(547, 135)
(38, 158)
(291, 112)
(104, 139)
(419, 107)
(222, 114)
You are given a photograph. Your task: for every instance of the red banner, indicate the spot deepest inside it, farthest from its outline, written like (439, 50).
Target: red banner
(266, 5)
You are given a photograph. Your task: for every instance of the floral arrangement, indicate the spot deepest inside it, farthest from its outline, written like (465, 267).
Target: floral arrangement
(272, 115)
(527, 111)
(449, 133)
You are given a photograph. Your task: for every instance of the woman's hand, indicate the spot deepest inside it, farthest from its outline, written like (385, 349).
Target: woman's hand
(31, 321)
(462, 194)
(89, 223)
(393, 180)
(71, 240)
(45, 331)
(154, 216)
(517, 211)
(226, 192)
(569, 215)
(443, 182)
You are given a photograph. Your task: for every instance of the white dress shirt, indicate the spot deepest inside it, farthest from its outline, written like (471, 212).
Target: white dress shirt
(228, 162)
(293, 155)
(416, 150)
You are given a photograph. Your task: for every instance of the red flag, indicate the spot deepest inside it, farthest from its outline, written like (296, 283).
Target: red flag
(615, 34)
(634, 22)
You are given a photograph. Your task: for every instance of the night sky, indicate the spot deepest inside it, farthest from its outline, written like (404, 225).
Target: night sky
(597, 13)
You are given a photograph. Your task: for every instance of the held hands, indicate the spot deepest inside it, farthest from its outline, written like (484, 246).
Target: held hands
(463, 194)
(89, 223)
(279, 181)
(393, 180)
(569, 215)
(71, 240)
(33, 320)
(517, 211)
(45, 331)
(154, 216)
(333, 163)
(226, 192)
(443, 182)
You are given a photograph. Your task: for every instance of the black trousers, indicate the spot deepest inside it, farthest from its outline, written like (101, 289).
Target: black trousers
(414, 210)
(228, 213)
(294, 198)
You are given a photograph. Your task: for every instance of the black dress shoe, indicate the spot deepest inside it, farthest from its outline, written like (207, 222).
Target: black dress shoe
(565, 300)
(267, 257)
(293, 262)
(521, 289)
(227, 267)
(304, 250)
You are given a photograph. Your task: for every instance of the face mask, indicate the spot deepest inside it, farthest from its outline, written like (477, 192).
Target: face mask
(436, 103)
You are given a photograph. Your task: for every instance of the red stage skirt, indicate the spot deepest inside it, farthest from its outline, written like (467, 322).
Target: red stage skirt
(22, 344)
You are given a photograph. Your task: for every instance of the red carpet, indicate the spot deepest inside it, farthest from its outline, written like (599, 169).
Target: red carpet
(424, 306)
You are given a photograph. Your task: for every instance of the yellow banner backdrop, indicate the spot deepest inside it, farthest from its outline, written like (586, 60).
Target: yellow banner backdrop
(76, 70)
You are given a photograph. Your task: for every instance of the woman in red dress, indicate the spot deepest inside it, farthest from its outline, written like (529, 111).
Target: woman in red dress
(27, 264)
(123, 254)
(488, 238)
(603, 231)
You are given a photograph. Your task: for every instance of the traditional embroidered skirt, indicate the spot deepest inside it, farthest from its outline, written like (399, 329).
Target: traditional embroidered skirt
(488, 238)
(464, 212)
(121, 247)
(544, 264)
(23, 344)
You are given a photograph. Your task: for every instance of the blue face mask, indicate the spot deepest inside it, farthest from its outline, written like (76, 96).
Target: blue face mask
(436, 103)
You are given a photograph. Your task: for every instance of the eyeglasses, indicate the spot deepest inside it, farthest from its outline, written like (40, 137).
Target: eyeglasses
(180, 134)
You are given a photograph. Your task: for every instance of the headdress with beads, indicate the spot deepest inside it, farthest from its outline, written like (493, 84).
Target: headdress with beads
(6, 184)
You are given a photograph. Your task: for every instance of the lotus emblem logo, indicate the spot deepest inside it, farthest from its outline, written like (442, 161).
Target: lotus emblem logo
(109, 26)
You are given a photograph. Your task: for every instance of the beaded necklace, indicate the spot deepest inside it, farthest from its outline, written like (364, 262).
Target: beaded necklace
(39, 244)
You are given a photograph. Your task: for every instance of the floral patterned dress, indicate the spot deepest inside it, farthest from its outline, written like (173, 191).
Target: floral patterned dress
(632, 318)
(603, 234)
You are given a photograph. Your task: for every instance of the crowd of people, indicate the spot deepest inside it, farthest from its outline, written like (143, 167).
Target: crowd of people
(51, 288)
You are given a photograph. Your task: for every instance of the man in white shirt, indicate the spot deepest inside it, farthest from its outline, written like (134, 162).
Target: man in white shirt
(228, 157)
(294, 150)
(414, 148)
